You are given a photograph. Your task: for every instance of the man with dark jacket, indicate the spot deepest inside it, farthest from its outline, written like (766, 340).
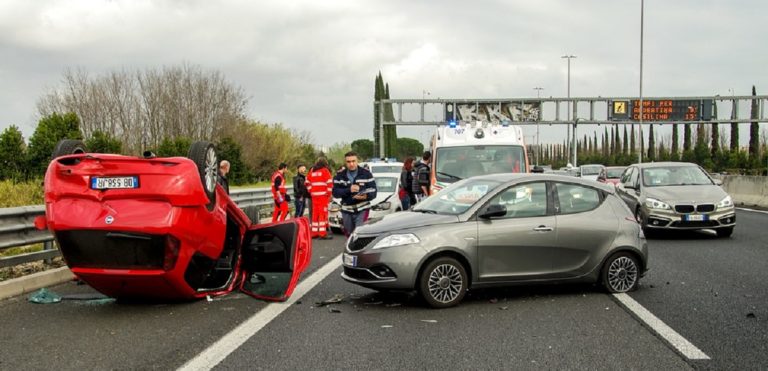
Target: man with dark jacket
(300, 192)
(356, 188)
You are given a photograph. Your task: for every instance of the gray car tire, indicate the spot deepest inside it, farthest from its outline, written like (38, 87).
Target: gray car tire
(443, 282)
(621, 273)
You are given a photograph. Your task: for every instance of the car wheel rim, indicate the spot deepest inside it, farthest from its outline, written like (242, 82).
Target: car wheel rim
(445, 283)
(622, 274)
(210, 170)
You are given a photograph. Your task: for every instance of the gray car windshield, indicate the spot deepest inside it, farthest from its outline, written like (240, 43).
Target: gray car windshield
(590, 170)
(675, 176)
(457, 198)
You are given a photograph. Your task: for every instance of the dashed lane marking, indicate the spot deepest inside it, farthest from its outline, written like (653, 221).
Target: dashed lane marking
(217, 352)
(680, 343)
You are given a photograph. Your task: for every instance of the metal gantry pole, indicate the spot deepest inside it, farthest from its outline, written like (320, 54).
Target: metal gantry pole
(640, 152)
(568, 133)
(538, 143)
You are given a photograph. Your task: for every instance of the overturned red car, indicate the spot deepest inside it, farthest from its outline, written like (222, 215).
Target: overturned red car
(149, 227)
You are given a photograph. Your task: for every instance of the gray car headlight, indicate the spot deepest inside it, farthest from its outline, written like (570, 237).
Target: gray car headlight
(396, 240)
(653, 203)
(726, 202)
(382, 206)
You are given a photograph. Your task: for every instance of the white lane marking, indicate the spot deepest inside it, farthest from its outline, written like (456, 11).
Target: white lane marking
(682, 345)
(752, 210)
(219, 350)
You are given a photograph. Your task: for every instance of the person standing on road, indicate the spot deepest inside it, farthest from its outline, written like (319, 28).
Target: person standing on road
(421, 175)
(406, 184)
(300, 191)
(356, 187)
(279, 194)
(223, 171)
(319, 185)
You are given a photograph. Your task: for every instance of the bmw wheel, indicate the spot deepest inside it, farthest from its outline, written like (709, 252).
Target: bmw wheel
(203, 154)
(621, 273)
(443, 282)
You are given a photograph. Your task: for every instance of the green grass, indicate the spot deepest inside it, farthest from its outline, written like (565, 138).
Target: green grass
(21, 250)
(13, 194)
(252, 185)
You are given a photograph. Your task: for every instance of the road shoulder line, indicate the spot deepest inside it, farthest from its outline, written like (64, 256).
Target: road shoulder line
(230, 342)
(677, 341)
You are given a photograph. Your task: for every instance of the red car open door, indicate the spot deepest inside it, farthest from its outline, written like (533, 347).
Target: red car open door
(273, 258)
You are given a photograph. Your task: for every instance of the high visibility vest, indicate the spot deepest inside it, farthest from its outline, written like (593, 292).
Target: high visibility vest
(283, 191)
(319, 183)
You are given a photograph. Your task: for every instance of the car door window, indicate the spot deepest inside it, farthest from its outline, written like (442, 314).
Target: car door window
(523, 200)
(574, 198)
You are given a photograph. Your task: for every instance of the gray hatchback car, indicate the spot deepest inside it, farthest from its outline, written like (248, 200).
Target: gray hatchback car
(497, 230)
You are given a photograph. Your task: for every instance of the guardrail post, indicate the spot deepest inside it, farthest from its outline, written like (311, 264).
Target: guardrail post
(48, 245)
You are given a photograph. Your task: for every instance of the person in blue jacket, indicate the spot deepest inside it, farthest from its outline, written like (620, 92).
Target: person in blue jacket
(356, 187)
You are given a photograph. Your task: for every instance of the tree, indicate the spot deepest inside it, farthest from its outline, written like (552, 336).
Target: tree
(714, 144)
(754, 134)
(363, 147)
(651, 144)
(409, 147)
(177, 147)
(687, 145)
(50, 130)
(734, 130)
(228, 149)
(142, 108)
(624, 147)
(101, 142)
(12, 149)
(701, 152)
(632, 141)
(381, 91)
(674, 153)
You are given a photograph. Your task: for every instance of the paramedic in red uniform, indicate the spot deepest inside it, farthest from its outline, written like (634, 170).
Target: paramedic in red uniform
(319, 185)
(280, 193)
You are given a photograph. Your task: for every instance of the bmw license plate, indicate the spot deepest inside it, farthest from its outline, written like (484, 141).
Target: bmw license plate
(115, 182)
(695, 218)
(349, 260)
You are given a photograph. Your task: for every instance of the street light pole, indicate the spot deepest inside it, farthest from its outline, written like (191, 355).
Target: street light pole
(640, 142)
(538, 144)
(568, 133)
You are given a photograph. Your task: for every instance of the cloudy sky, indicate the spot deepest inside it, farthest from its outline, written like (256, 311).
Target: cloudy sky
(311, 64)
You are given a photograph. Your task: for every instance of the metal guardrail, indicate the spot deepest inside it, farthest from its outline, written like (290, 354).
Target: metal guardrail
(17, 226)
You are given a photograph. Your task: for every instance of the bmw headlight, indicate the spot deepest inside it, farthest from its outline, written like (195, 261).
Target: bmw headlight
(396, 240)
(726, 202)
(653, 203)
(334, 207)
(382, 206)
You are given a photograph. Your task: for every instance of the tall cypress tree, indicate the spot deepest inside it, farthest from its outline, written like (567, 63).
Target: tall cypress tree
(754, 133)
(624, 147)
(674, 153)
(714, 143)
(651, 144)
(632, 141)
(390, 133)
(686, 137)
(734, 130)
(617, 149)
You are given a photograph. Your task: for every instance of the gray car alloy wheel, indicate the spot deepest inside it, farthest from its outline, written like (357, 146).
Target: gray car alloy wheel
(622, 274)
(445, 283)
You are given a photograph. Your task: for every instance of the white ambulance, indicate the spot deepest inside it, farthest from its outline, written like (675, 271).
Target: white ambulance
(463, 150)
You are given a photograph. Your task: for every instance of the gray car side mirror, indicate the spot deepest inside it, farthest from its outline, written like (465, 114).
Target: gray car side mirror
(493, 211)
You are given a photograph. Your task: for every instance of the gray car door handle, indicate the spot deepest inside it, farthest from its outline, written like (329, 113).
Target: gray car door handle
(543, 228)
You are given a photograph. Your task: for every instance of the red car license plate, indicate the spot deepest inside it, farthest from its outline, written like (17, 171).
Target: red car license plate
(117, 182)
